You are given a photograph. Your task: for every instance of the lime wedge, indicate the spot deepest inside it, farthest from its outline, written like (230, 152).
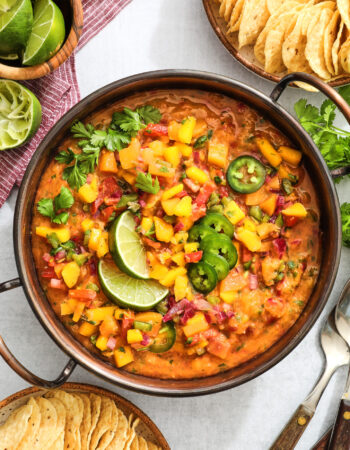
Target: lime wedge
(126, 247)
(20, 114)
(10, 57)
(127, 291)
(47, 35)
(16, 19)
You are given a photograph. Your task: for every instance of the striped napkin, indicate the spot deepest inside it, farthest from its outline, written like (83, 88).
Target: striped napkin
(57, 93)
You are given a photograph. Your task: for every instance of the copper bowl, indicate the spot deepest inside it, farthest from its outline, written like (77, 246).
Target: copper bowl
(173, 79)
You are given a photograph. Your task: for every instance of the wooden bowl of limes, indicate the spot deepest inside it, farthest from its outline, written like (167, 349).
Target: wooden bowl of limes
(36, 39)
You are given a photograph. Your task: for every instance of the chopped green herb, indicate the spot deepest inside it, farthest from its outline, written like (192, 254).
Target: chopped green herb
(146, 184)
(49, 207)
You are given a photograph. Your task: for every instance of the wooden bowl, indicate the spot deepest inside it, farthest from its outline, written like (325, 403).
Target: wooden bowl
(72, 11)
(146, 428)
(246, 55)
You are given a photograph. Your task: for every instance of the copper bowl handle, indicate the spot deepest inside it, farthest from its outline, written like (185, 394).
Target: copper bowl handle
(325, 89)
(18, 367)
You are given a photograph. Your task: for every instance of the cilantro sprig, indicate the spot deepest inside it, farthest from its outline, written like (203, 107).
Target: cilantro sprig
(145, 183)
(333, 142)
(49, 207)
(124, 125)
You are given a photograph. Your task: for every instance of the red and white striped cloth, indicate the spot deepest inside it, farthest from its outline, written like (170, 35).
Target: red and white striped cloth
(57, 93)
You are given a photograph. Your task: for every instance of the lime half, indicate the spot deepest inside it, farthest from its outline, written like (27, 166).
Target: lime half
(16, 19)
(20, 114)
(129, 292)
(126, 247)
(47, 35)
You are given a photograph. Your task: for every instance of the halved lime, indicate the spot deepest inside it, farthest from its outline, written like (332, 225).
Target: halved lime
(20, 114)
(16, 20)
(47, 34)
(128, 291)
(126, 247)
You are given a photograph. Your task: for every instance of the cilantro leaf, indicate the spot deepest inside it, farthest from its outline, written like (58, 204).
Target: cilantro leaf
(65, 157)
(115, 140)
(149, 114)
(64, 199)
(128, 120)
(45, 207)
(80, 130)
(98, 138)
(75, 177)
(61, 218)
(145, 183)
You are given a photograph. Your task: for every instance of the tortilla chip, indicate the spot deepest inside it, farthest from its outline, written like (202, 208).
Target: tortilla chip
(85, 425)
(104, 422)
(132, 424)
(236, 17)
(108, 436)
(336, 46)
(95, 402)
(344, 56)
(151, 446)
(254, 17)
(47, 433)
(344, 9)
(226, 8)
(329, 38)
(314, 50)
(28, 439)
(61, 424)
(14, 429)
(121, 433)
(74, 416)
(142, 443)
(135, 443)
(305, 86)
(273, 5)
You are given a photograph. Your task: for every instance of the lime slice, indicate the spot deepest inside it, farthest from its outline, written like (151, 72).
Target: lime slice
(47, 35)
(126, 247)
(16, 19)
(127, 291)
(20, 114)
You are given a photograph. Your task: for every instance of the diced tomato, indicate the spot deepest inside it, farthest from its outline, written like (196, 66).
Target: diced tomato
(290, 221)
(127, 324)
(205, 193)
(223, 191)
(48, 273)
(219, 346)
(211, 333)
(198, 211)
(181, 194)
(57, 284)
(194, 256)
(112, 200)
(110, 186)
(191, 185)
(151, 243)
(156, 130)
(193, 340)
(246, 254)
(95, 205)
(84, 295)
(106, 213)
(274, 309)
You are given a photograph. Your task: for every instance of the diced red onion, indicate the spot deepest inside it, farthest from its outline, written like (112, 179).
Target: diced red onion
(111, 343)
(296, 242)
(253, 281)
(177, 309)
(267, 179)
(208, 317)
(280, 245)
(92, 265)
(221, 316)
(273, 219)
(191, 185)
(60, 255)
(279, 204)
(146, 340)
(47, 257)
(89, 178)
(189, 312)
(202, 305)
(142, 203)
(57, 284)
(196, 158)
(178, 227)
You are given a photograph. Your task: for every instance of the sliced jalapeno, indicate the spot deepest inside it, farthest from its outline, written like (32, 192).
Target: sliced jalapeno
(202, 276)
(218, 263)
(220, 245)
(256, 212)
(246, 174)
(218, 223)
(198, 232)
(165, 340)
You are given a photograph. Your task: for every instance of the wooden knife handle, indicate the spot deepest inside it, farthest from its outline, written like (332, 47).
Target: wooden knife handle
(294, 429)
(340, 439)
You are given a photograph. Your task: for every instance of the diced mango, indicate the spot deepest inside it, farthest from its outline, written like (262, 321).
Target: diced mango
(169, 193)
(290, 155)
(134, 336)
(200, 129)
(269, 152)
(89, 191)
(233, 212)
(87, 224)
(248, 224)
(123, 356)
(171, 276)
(102, 247)
(108, 163)
(161, 168)
(87, 329)
(283, 172)
(70, 274)
(147, 155)
(186, 150)
(129, 177)
(129, 155)
(180, 238)
(191, 247)
(179, 259)
(158, 272)
(187, 222)
(146, 224)
(99, 314)
(157, 147)
(94, 238)
(201, 344)
(66, 309)
(170, 205)
(164, 230)
(197, 175)
(184, 207)
(186, 130)
(228, 296)
(172, 155)
(101, 343)
(180, 287)
(269, 205)
(249, 238)
(195, 324)
(217, 154)
(173, 130)
(265, 229)
(63, 234)
(78, 311)
(257, 197)
(297, 210)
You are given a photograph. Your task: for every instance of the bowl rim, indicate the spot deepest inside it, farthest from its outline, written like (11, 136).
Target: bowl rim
(222, 35)
(91, 362)
(70, 43)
